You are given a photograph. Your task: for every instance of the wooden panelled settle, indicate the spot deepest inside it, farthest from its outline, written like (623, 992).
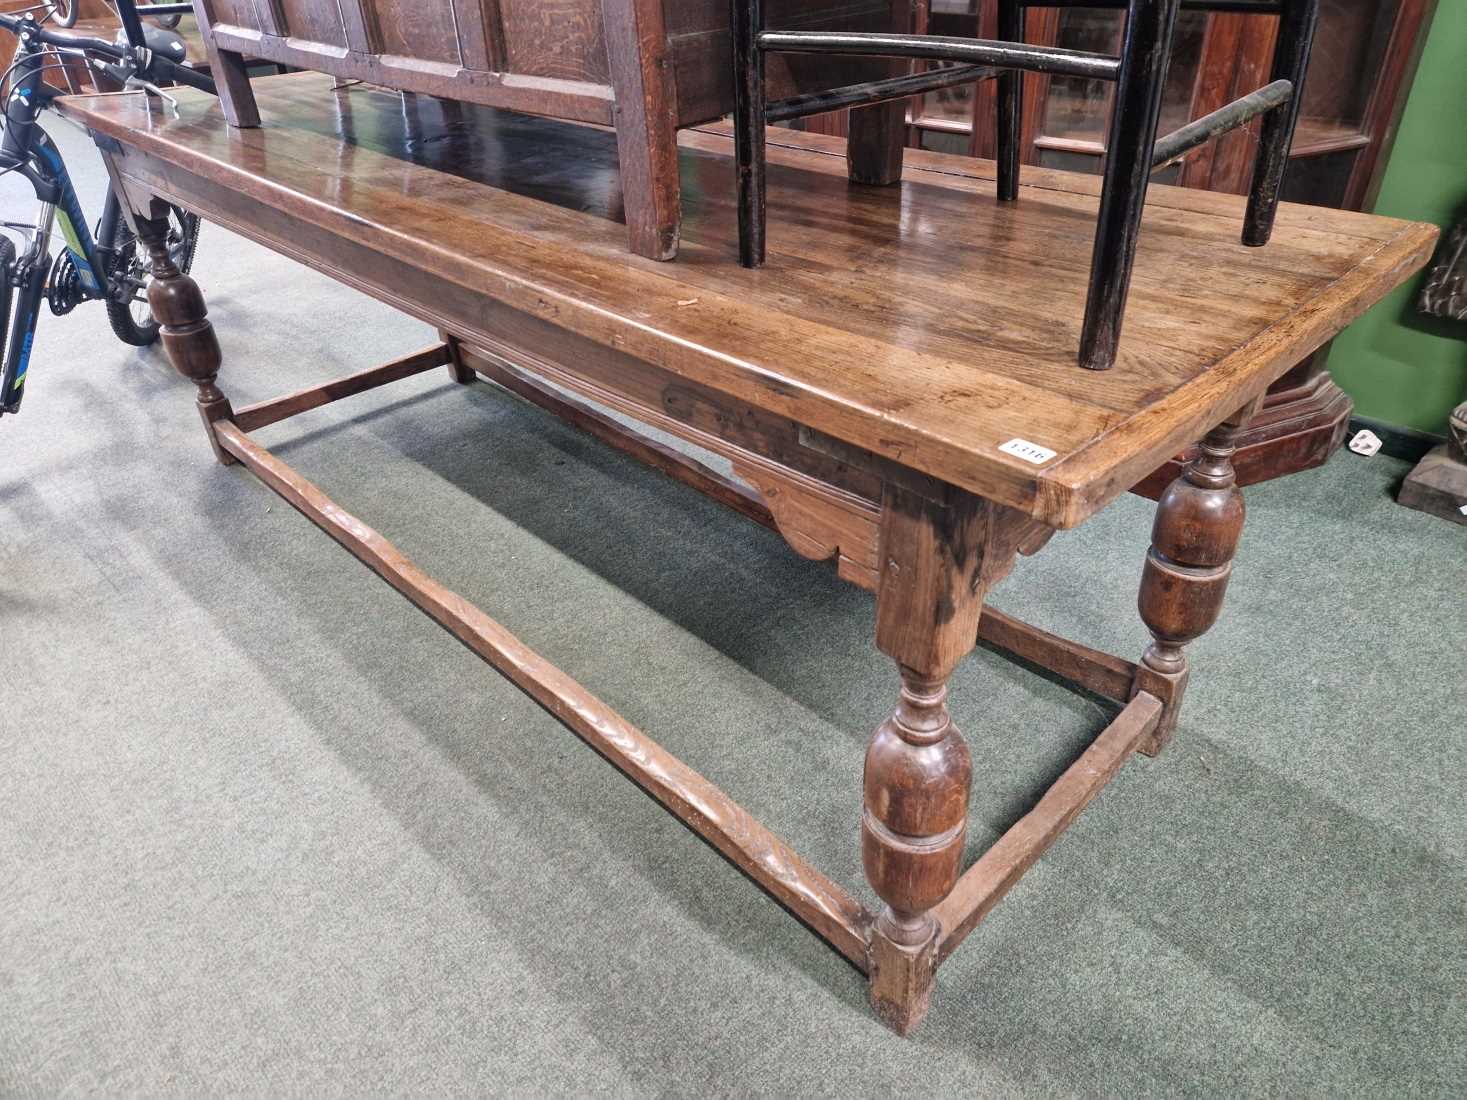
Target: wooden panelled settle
(645, 66)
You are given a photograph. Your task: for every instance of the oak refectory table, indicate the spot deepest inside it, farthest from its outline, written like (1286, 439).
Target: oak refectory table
(896, 391)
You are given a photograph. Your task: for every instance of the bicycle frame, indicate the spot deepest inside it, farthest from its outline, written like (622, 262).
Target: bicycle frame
(88, 271)
(28, 151)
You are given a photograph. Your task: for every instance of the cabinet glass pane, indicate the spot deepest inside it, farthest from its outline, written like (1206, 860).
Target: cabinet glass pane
(958, 18)
(1343, 69)
(1078, 109)
(1181, 77)
(940, 141)
(1318, 181)
(1078, 106)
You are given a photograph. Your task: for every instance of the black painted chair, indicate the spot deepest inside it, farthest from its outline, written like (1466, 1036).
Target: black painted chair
(1132, 149)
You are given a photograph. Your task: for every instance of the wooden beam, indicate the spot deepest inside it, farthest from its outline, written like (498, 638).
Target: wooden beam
(659, 456)
(255, 416)
(985, 883)
(827, 909)
(1107, 676)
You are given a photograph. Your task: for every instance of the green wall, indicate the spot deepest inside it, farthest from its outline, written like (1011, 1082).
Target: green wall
(1400, 366)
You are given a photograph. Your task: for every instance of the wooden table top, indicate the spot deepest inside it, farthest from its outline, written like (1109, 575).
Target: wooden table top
(925, 323)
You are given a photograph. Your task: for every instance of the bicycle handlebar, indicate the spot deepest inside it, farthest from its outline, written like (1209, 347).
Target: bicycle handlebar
(157, 67)
(63, 39)
(173, 73)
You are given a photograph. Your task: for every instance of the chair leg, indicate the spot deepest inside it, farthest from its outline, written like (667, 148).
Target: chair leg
(1134, 115)
(876, 143)
(1290, 60)
(748, 62)
(1010, 104)
(236, 96)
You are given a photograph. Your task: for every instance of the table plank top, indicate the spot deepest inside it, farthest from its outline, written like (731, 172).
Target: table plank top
(925, 323)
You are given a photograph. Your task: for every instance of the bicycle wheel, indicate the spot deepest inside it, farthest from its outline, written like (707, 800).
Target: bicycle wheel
(127, 290)
(167, 22)
(64, 12)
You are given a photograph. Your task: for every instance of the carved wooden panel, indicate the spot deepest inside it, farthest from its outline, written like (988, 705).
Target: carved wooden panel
(312, 21)
(562, 39)
(1445, 293)
(552, 40)
(239, 13)
(424, 30)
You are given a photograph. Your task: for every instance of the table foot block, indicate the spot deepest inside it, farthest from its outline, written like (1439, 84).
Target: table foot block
(901, 980)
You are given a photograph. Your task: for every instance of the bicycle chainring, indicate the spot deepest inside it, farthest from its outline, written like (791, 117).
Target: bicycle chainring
(64, 289)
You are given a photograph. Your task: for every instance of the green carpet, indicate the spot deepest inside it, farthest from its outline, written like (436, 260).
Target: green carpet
(265, 829)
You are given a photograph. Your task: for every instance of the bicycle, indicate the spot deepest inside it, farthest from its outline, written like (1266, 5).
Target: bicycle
(110, 267)
(167, 16)
(64, 12)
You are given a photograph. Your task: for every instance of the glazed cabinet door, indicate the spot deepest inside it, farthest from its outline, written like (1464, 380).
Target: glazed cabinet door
(1351, 97)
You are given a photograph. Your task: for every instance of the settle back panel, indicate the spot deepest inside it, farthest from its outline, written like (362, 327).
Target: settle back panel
(549, 57)
(643, 66)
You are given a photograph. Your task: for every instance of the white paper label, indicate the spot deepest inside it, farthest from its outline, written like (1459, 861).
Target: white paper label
(1029, 452)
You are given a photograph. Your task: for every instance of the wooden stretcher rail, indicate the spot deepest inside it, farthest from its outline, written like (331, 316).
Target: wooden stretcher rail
(875, 91)
(1054, 60)
(1228, 117)
(675, 464)
(253, 417)
(1104, 674)
(824, 906)
(985, 883)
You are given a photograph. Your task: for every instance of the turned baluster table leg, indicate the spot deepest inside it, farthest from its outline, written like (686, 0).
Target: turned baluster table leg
(188, 337)
(915, 814)
(1198, 521)
(913, 827)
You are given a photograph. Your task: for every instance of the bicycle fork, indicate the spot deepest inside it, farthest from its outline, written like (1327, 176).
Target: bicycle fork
(30, 275)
